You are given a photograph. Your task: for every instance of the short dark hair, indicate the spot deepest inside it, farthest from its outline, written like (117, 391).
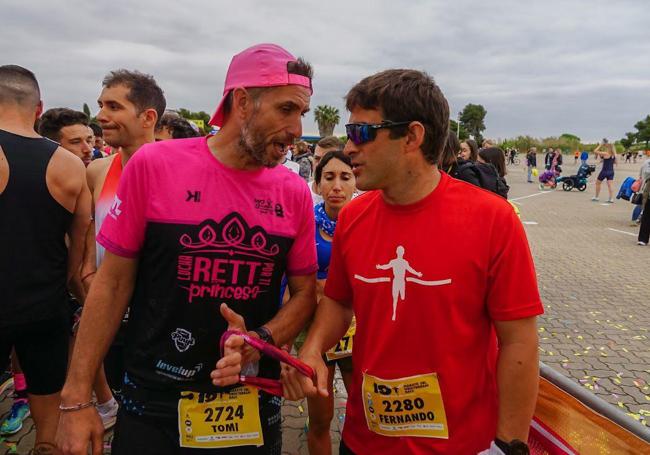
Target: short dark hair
(53, 120)
(300, 67)
(178, 127)
(330, 142)
(496, 157)
(18, 85)
(473, 147)
(144, 92)
(329, 156)
(97, 130)
(403, 95)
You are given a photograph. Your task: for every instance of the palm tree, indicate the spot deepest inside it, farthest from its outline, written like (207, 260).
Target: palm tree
(327, 118)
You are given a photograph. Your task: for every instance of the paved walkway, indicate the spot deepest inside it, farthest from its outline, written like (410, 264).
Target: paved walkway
(594, 282)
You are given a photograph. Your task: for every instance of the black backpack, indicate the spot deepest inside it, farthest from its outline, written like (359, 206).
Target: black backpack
(484, 175)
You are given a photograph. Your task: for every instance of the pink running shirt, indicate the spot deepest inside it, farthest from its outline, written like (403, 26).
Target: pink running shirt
(203, 234)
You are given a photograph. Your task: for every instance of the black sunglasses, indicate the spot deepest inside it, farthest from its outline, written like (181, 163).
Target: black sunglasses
(360, 133)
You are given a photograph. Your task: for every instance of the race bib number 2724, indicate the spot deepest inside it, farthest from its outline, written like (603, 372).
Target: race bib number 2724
(216, 420)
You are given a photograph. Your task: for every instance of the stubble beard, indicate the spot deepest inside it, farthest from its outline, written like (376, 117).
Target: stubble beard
(253, 144)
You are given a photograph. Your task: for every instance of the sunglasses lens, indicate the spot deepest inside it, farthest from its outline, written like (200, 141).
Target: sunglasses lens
(357, 133)
(352, 131)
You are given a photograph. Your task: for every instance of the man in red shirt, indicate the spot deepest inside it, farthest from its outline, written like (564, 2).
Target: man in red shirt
(426, 263)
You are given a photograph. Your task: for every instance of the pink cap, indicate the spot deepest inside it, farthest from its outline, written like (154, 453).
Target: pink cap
(262, 65)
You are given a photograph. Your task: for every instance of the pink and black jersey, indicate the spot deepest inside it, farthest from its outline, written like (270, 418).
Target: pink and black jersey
(203, 234)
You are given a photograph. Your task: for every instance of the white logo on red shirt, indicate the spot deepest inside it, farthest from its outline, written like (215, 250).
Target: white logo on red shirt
(115, 211)
(400, 266)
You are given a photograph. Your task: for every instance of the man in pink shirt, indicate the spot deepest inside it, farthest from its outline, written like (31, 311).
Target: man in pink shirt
(197, 240)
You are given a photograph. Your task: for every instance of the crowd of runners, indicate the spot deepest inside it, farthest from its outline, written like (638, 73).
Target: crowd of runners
(160, 287)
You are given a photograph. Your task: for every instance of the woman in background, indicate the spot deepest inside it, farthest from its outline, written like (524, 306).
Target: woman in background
(336, 184)
(607, 153)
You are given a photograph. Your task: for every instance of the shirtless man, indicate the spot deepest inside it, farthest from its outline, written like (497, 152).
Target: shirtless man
(36, 265)
(70, 129)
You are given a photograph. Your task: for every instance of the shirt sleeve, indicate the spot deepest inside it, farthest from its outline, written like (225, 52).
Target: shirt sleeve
(512, 282)
(302, 258)
(122, 232)
(337, 286)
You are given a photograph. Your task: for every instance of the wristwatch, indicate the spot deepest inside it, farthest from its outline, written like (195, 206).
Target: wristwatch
(514, 447)
(265, 335)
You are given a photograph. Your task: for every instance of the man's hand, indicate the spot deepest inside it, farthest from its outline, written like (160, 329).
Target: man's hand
(235, 352)
(296, 386)
(77, 429)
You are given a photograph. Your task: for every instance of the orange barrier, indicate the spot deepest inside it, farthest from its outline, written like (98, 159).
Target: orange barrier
(565, 425)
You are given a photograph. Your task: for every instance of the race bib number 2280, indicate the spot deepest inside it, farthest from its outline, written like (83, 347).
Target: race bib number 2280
(405, 407)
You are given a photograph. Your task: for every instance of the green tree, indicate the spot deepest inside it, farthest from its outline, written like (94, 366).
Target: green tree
(453, 127)
(524, 143)
(570, 141)
(86, 111)
(628, 141)
(472, 118)
(327, 117)
(643, 131)
(200, 115)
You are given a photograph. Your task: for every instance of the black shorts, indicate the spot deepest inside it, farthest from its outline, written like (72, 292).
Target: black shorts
(143, 435)
(42, 349)
(605, 175)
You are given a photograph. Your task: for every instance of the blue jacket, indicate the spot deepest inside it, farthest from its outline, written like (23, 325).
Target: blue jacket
(625, 192)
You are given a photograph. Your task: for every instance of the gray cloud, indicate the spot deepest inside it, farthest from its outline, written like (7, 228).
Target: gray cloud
(538, 68)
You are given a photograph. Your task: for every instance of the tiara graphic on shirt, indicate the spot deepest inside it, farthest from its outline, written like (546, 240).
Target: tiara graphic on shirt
(231, 232)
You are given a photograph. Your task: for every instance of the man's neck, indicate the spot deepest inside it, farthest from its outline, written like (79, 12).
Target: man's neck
(413, 186)
(225, 147)
(17, 124)
(128, 151)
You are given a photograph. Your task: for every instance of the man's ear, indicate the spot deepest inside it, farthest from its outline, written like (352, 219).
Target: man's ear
(242, 103)
(39, 109)
(415, 136)
(149, 118)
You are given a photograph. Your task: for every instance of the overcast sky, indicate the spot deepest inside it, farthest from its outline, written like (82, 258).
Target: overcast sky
(539, 68)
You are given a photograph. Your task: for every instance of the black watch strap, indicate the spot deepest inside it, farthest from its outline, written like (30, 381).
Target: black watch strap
(265, 335)
(514, 447)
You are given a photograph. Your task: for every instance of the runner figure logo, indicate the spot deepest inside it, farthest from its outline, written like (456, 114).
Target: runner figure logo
(183, 339)
(400, 266)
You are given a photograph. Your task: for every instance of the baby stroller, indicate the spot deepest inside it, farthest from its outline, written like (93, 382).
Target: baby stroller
(548, 178)
(579, 180)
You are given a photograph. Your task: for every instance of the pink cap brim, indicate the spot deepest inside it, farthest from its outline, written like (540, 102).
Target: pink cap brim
(217, 118)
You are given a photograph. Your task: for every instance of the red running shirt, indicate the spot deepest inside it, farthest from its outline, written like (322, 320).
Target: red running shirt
(454, 262)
